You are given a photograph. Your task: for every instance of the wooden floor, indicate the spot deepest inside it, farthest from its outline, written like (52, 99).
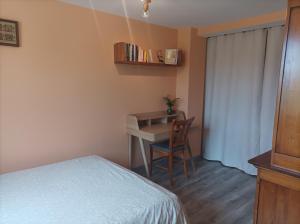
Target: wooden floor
(214, 194)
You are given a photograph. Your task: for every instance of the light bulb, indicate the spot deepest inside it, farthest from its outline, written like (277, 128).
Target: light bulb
(146, 14)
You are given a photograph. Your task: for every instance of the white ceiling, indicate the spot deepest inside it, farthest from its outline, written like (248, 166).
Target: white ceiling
(178, 13)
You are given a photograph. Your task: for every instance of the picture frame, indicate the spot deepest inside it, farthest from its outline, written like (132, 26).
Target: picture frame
(9, 33)
(171, 56)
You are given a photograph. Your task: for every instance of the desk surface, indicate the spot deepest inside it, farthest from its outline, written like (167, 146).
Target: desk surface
(153, 133)
(155, 115)
(157, 128)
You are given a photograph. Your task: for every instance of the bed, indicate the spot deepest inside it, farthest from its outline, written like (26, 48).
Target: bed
(87, 190)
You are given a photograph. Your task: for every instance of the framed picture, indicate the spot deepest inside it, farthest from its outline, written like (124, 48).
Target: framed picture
(9, 33)
(171, 56)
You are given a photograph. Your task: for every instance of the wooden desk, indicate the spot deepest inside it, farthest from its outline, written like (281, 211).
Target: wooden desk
(153, 127)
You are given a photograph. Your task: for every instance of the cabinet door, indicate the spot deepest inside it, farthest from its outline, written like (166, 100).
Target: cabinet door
(286, 144)
(277, 204)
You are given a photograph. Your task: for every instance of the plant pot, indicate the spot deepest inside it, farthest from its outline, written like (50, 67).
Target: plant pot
(170, 111)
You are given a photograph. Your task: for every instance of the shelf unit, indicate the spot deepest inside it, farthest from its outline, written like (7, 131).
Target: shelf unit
(120, 57)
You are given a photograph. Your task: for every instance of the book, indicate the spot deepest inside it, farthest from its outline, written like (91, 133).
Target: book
(150, 59)
(131, 52)
(140, 55)
(144, 56)
(127, 52)
(134, 52)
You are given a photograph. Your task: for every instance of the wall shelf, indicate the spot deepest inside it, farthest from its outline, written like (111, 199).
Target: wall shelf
(121, 57)
(144, 63)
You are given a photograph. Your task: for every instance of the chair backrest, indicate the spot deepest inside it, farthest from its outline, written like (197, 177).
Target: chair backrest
(179, 132)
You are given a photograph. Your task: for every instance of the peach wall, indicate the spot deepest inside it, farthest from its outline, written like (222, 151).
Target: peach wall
(190, 81)
(182, 79)
(196, 87)
(61, 94)
(262, 20)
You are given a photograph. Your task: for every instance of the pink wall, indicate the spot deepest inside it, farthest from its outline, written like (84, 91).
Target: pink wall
(61, 94)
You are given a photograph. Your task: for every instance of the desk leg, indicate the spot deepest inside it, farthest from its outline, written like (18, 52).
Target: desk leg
(144, 156)
(130, 151)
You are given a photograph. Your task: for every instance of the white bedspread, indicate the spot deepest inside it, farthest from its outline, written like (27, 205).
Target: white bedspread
(88, 190)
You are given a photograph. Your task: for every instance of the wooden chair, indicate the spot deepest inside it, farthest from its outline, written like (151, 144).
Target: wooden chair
(189, 146)
(176, 145)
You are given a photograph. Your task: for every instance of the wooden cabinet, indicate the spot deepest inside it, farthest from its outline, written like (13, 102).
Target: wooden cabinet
(277, 193)
(278, 204)
(278, 179)
(286, 141)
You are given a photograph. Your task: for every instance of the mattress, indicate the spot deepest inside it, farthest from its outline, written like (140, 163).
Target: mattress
(87, 190)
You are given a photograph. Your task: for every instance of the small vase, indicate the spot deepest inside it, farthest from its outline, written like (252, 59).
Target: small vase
(170, 111)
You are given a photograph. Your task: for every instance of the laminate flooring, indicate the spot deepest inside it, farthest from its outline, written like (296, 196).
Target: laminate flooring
(213, 194)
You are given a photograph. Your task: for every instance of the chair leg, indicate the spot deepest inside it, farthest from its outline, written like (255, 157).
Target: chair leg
(191, 156)
(151, 160)
(185, 165)
(170, 168)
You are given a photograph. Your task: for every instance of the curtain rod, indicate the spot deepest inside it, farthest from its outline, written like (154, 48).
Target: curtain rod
(247, 29)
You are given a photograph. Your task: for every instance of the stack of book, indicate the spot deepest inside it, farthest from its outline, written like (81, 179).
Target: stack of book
(136, 54)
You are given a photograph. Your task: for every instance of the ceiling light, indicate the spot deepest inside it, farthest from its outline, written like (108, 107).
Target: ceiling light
(146, 14)
(146, 8)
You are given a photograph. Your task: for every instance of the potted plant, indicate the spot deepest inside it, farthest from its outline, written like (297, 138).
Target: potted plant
(170, 104)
